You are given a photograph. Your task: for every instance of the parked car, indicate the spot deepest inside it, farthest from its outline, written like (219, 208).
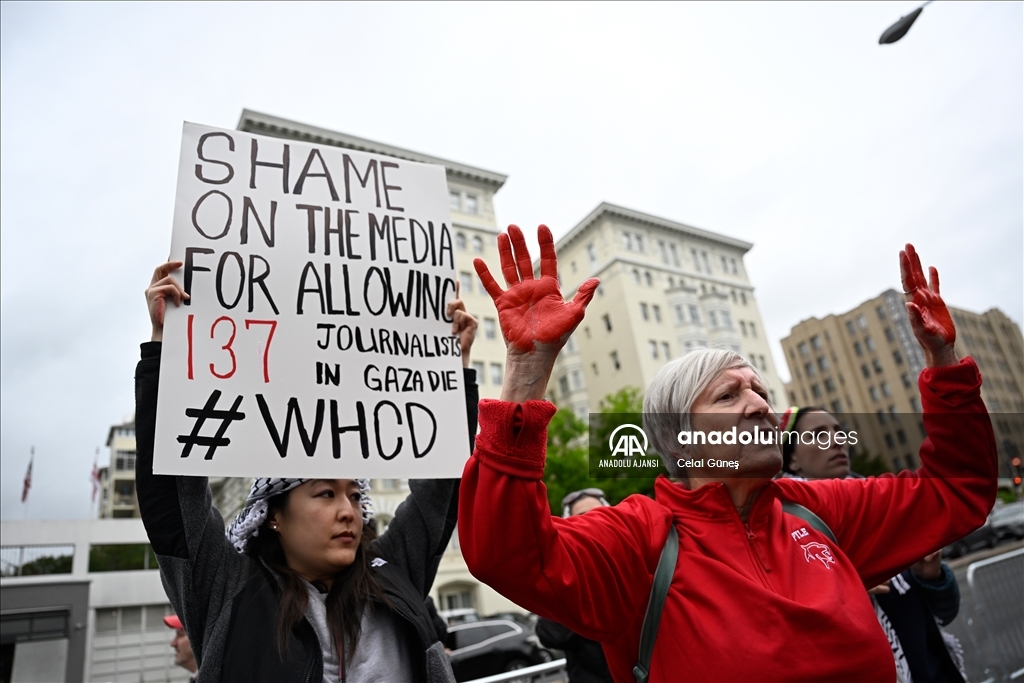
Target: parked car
(1008, 521)
(493, 646)
(982, 537)
(459, 615)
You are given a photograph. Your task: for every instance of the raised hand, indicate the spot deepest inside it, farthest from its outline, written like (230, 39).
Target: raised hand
(530, 311)
(162, 288)
(463, 324)
(929, 317)
(535, 320)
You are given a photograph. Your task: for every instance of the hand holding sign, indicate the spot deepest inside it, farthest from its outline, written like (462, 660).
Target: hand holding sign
(463, 324)
(929, 317)
(162, 288)
(535, 319)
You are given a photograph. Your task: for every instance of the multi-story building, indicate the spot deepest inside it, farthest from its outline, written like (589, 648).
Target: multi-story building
(666, 288)
(865, 363)
(117, 499)
(471, 194)
(82, 601)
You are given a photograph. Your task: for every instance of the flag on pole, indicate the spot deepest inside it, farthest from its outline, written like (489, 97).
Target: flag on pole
(95, 476)
(28, 477)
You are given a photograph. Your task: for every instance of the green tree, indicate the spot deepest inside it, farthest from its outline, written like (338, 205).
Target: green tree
(868, 465)
(568, 468)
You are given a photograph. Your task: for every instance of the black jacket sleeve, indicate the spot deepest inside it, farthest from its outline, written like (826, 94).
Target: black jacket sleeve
(423, 524)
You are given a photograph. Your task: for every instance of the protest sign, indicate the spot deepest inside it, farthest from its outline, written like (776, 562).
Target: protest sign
(316, 341)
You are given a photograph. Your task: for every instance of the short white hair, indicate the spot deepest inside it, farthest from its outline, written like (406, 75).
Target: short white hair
(672, 393)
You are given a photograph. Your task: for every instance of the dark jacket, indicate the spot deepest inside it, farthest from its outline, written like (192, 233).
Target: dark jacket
(584, 659)
(228, 602)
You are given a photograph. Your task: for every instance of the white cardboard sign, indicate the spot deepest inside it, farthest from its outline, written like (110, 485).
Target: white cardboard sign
(315, 343)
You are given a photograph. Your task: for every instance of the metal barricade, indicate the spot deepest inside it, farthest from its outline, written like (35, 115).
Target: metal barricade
(550, 672)
(995, 621)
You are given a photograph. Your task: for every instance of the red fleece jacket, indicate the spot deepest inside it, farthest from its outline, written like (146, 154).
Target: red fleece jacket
(773, 600)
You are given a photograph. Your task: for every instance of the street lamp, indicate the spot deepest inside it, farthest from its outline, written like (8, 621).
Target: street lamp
(900, 28)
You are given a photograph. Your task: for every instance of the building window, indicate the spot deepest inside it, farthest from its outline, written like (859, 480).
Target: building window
(496, 371)
(837, 406)
(862, 322)
(489, 328)
(478, 245)
(615, 359)
(901, 436)
(471, 204)
(809, 369)
(743, 298)
(663, 250)
(851, 328)
(680, 318)
(592, 253)
(607, 322)
(732, 267)
(877, 364)
(577, 379)
(815, 391)
(466, 282)
(743, 328)
(636, 276)
(865, 370)
(881, 416)
(713, 317)
(647, 278)
(725, 265)
(726, 320)
(696, 260)
(665, 350)
(897, 357)
(823, 363)
(483, 290)
(563, 385)
(124, 460)
(880, 310)
(694, 314)
(627, 240)
(643, 310)
(905, 377)
(707, 263)
(816, 343)
(915, 405)
(869, 343)
(479, 367)
(803, 349)
(455, 200)
(764, 364)
(753, 331)
(656, 311)
(889, 336)
(858, 349)
(593, 367)
(886, 391)
(674, 253)
(460, 241)
(653, 346)
(873, 391)
(889, 440)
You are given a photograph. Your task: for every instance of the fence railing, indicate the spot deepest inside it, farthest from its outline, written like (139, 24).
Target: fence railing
(996, 616)
(548, 672)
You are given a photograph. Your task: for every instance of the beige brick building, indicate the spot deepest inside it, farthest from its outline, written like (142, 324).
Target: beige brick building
(666, 288)
(865, 363)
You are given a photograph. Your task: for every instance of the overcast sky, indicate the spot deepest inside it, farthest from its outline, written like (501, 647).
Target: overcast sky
(786, 125)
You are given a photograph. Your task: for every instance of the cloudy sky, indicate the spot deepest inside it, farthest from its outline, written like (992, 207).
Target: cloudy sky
(786, 125)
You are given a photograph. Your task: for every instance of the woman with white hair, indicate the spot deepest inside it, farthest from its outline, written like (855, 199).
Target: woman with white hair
(756, 593)
(300, 588)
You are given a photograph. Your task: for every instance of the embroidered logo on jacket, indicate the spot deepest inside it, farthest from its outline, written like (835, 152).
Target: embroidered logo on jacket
(378, 562)
(818, 551)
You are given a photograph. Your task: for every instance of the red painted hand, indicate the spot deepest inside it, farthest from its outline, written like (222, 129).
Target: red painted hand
(929, 317)
(531, 311)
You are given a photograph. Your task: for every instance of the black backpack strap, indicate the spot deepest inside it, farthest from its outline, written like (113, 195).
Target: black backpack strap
(809, 517)
(659, 590)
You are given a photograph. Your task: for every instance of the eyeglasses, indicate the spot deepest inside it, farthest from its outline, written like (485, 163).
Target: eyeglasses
(576, 495)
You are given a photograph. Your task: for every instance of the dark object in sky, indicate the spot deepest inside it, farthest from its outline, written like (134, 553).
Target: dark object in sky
(900, 28)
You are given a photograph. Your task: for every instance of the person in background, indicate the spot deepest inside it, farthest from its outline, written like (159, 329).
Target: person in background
(183, 656)
(584, 658)
(914, 605)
